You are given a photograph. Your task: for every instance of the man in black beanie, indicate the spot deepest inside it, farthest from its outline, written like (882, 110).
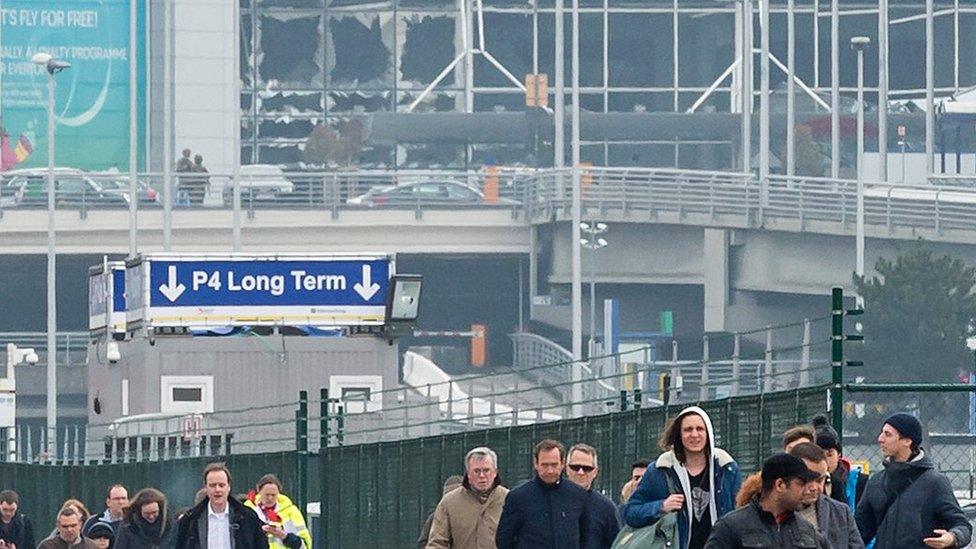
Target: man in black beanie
(847, 481)
(909, 503)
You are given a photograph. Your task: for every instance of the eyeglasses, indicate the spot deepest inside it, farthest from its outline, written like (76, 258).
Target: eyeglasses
(580, 468)
(481, 472)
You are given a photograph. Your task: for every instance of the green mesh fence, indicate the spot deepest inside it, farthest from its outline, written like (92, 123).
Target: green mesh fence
(378, 495)
(43, 488)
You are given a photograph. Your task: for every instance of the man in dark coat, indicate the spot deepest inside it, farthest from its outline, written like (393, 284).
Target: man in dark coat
(15, 528)
(219, 517)
(583, 468)
(909, 503)
(833, 519)
(769, 520)
(547, 511)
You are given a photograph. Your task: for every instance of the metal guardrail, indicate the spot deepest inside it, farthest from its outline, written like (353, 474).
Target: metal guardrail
(720, 198)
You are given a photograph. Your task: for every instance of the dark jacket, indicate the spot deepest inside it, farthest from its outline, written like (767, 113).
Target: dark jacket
(138, 534)
(644, 506)
(604, 525)
(20, 532)
(835, 520)
(245, 526)
(751, 526)
(537, 515)
(926, 502)
(104, 517)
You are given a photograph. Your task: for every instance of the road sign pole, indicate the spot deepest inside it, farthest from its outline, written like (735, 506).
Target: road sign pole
(837, 359)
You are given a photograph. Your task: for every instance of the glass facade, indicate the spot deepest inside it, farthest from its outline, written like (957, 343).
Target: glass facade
(314, 67)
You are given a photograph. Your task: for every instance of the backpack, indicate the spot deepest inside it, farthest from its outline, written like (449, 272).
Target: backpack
(663, 534)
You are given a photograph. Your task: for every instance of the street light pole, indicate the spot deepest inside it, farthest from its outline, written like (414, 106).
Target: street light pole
(859, 43)
(577, 286)
(52, 66)
(592, 242)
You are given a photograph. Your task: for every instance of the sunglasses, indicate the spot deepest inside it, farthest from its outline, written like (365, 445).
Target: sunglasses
(581, 468)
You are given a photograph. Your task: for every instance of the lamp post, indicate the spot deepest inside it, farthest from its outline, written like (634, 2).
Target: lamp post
(860, 43)
(52, 66)
(593, 242)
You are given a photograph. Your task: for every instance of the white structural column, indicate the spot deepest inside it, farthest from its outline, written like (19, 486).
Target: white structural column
(834, 88)
(883, 87)
(929, 87)
(746, 82)
(558, 141)
(763, 103)
(791, 88)
(133, 131)
(167, 124)
(577, 290)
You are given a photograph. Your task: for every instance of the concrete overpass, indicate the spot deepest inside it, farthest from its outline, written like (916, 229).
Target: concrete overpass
(737, 237)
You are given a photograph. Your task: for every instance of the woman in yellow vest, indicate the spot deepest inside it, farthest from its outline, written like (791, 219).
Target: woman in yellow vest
(283, 520)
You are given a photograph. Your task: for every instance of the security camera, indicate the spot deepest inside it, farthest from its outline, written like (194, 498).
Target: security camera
(52, 65)
(41, 58)
(31, 358)
(112, 352)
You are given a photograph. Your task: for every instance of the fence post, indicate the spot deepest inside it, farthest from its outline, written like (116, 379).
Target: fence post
(340, 425)
(703, 381)
(638, 398)
(768, 363)
(429, 413)
(805, 355)
(836, 402)
(736, 363)
(301, 426)
(676, 382)
(323, 419)
(623, 400)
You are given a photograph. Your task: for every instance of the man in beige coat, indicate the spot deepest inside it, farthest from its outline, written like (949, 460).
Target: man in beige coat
(466, 517)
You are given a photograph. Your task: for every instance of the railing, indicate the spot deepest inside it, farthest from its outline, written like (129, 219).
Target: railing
(72, 346)
(724, 199)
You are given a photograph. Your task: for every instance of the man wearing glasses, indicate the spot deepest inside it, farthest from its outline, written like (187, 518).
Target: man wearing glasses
(582, 468)
(831, 518)
(467, 516)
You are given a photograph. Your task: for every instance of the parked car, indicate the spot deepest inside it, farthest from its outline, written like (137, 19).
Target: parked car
(424, 193)
(28, 189)
(258, 182)
(120, 185)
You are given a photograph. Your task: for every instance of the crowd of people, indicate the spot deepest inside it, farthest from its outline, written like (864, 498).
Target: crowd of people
(693, 496)
(265, 519)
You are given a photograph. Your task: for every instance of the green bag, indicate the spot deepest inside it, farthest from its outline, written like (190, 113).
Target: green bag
(660, 535)
(663, 534)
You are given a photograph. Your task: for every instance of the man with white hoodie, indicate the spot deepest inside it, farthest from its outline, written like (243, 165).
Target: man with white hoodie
(691, 477)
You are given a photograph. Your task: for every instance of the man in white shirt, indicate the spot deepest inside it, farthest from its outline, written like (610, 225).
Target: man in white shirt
(219, 521)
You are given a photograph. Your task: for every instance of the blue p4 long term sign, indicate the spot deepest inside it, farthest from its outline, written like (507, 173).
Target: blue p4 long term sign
(164, 290)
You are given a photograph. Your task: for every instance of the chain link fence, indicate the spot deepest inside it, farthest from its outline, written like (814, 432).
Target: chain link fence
(948, 416)
(379, 494)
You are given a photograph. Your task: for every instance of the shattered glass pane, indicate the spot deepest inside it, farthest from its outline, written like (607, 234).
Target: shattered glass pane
(640, 50)
(279, 153)
(427, 48)
(295, 103)
(360, 49)
(641, 101)
(508, 38)
(285, 127)
(429, 5)
(709, 47)
(433, 155)
(434, 102)
(362, 4)
(247, 154)
(351, 101)
(291, 49)
(246, 51)
(500, 102)
(290, 3)
(246, 105)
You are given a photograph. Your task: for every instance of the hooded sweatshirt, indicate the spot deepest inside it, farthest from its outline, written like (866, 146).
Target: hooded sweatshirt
(918, 500)
(722, 472)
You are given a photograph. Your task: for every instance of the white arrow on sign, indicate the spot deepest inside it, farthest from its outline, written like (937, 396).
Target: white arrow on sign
(172, 289)
(367, 288)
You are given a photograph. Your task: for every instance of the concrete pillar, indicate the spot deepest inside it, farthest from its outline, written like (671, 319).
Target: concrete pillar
(715, 265)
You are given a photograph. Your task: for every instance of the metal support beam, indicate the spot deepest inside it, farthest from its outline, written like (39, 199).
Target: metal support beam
(764, 129)
(883, 88)
(577, 289)
(834, 88)
(929, 87)
(790, 89)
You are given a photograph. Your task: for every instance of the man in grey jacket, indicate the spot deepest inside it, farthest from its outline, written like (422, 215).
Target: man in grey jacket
(829, 517)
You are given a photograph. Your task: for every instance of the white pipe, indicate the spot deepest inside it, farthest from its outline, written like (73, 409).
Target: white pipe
(790, 89)
(929, 88)
(883, 88)
(577, 289)
(834, 89)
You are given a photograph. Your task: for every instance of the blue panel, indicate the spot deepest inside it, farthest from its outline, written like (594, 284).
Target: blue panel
(268, 283)
(118, 289)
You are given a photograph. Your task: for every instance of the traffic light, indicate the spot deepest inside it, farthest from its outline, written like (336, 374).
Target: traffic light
(837, 362)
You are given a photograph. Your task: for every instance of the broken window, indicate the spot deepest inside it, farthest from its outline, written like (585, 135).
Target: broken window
(292, 102)
(437, 101)
(279, 153)
(291, 50)
(284, 127)
(289, 3)
(427, 43)
(351, 101)
(508, 38)
(360, 51)
(246, 51)
(431, 155)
